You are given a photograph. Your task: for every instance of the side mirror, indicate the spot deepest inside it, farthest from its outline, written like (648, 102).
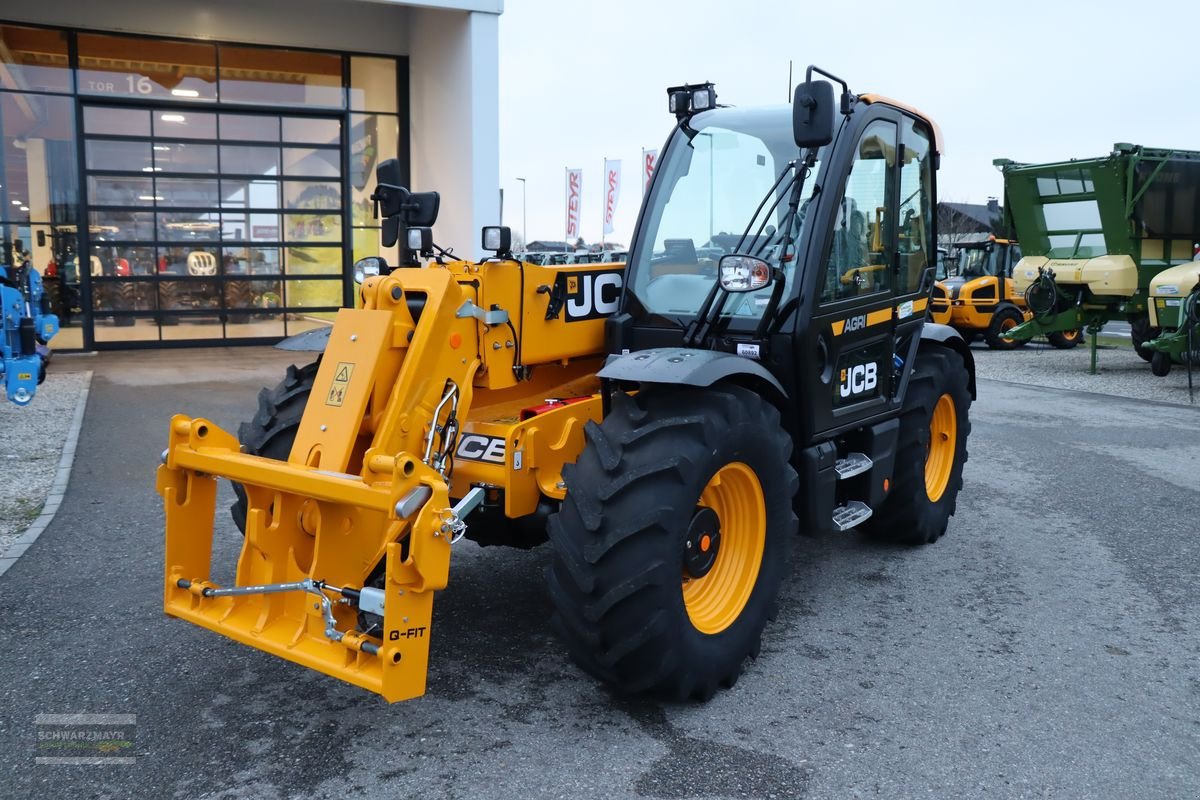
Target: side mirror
(739, 273)
(812, 114)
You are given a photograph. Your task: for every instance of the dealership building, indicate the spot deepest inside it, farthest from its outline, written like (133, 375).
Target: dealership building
(200, 173)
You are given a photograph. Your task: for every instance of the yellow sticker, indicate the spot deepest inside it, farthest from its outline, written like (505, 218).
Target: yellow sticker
(24, 376)
(572, 284)
(341, 384)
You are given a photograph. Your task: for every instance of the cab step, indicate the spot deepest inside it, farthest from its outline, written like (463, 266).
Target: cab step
(853, 513)
(853, 464)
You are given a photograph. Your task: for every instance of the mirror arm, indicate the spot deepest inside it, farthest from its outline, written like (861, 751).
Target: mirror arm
(845, 86)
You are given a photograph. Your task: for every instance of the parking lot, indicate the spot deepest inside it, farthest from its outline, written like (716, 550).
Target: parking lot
(1046, 647)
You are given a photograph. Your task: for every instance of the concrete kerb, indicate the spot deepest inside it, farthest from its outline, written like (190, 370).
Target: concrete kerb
(58, 489)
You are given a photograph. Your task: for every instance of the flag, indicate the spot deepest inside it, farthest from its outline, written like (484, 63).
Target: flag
(574, 198)
(612, 192)
(649, 162)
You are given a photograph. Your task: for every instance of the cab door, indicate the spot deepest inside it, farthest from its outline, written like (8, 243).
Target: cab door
(850, 368)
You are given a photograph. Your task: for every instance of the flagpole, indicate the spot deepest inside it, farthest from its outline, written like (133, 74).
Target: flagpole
(604, 203)
(642, 173)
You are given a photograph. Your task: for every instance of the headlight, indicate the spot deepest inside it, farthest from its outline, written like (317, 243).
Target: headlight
(743, 273)
(368, 267)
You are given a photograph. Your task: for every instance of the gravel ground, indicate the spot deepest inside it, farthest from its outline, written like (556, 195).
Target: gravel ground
(31, 447)
(1120, 372)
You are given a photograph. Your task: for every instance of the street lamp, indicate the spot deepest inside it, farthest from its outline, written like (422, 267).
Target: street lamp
(524, 218)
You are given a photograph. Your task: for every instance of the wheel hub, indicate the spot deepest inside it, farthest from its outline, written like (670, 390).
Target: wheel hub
(702, 543)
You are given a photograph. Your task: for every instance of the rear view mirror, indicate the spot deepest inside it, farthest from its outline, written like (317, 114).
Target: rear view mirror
(422, 209)
(812, 114)
(418, 209)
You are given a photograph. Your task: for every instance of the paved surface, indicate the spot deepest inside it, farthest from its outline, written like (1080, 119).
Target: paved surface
(1047, 647)
(1119, 371)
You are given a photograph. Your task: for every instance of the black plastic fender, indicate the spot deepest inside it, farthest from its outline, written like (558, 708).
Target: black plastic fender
(311, 341)
(946, 336)
(686, 366)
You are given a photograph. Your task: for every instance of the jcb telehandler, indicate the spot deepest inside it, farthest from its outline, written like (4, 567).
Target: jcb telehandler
(676, 418)
(980, 299)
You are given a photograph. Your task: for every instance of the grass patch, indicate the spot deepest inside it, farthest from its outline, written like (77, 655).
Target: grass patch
(22, 511)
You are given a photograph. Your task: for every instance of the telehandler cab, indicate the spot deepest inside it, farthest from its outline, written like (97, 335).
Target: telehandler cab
(675, 418)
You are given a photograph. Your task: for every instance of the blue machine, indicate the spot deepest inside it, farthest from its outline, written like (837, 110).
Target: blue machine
(26, 324)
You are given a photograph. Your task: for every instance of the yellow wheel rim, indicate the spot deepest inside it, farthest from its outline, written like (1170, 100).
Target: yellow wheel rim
(1070, 336)
(717, 599)
(943, 436)
(1008, 324)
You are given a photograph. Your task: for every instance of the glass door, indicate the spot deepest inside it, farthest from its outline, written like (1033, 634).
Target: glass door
(211, 225)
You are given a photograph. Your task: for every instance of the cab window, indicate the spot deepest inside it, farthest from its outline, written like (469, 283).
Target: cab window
(861, 250)
(916, 206)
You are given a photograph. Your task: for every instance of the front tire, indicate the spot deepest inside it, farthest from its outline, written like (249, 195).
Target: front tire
(671, 543)
(1065, 340)
(1160, 365)
(930, 454)
(1005, 319)
(1141, 331)
(273, 429)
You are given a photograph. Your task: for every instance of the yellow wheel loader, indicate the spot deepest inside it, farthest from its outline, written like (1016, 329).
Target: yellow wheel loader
(980, 300)
(667, 424)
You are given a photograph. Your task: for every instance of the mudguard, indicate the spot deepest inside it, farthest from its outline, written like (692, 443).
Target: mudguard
(684, 366)
(946, 336)
(313, 341)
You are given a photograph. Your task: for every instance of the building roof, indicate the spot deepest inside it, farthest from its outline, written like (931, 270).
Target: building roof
(540, 246)
(986, 214)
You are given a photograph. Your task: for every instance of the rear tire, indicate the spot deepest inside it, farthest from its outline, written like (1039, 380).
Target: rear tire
(273, 429)
(1005, 319)
(168, 299)
(633, 507)
(1065, 340)
(1140, 331)
(927, 476)
(239, 302)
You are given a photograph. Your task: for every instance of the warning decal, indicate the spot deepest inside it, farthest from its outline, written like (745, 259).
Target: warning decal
(341, 383)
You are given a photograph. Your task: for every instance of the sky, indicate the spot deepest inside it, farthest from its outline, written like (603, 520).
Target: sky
(1032, 81)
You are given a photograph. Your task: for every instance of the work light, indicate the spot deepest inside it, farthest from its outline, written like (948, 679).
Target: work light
(419, 239)
(497, 238)
(683, 101)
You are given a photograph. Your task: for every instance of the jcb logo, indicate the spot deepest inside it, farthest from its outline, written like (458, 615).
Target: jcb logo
(858, 379)
(856, 323)
(591, 295)
(476, 447)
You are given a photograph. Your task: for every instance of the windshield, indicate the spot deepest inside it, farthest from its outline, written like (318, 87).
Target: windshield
(705, 198)
(978, 261)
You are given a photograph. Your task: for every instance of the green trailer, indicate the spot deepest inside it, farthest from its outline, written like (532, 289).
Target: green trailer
(1096, 233)
(1175, 310)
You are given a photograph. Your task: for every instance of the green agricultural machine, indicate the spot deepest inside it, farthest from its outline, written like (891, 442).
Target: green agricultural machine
(1097, 233)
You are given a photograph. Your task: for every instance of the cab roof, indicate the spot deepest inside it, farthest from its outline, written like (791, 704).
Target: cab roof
(938, 142)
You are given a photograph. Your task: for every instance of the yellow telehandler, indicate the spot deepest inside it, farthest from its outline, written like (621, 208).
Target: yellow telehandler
(667, 424)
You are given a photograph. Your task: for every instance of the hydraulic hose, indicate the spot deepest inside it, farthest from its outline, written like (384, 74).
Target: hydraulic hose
(1042, 294)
